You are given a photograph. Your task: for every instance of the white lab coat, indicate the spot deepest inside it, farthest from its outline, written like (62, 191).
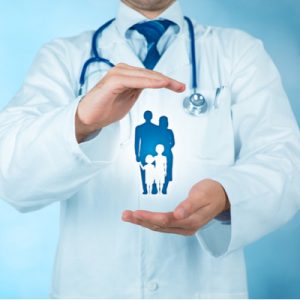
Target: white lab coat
(249, 143)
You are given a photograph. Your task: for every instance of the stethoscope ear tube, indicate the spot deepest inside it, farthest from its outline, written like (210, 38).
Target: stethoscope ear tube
(95, 38)
(86, 65)
(193, 52)
(195, 104)
(95, 57)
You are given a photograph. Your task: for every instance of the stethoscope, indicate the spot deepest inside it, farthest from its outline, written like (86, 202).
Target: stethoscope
(195, 104)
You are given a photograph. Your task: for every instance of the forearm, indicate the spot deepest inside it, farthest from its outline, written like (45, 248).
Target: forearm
(83, 130)
(41, 157)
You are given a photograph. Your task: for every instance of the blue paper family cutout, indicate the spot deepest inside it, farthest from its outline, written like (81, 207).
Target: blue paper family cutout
(153, 150)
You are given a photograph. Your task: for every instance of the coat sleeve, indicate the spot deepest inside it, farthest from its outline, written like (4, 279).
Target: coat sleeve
(263, 183)
(40, 159)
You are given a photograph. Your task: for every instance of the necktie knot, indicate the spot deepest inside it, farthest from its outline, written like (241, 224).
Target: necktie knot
(152, 31)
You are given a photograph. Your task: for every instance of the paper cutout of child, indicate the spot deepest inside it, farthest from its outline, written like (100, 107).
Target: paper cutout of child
(149, 169)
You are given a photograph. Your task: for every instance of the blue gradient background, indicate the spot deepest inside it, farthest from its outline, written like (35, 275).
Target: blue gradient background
(28, 241)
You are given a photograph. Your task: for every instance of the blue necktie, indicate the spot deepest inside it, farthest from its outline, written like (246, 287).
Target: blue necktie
(152, 31)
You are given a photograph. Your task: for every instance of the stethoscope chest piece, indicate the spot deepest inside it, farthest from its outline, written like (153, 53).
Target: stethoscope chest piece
(195, 104)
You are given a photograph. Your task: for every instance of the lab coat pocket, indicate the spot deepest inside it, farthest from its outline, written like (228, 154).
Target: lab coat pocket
(210, 137)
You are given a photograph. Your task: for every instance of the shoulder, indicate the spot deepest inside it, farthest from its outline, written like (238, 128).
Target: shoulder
(170, 131)
(231, 41)
(226, 36)
(64, 55)
(69, 45)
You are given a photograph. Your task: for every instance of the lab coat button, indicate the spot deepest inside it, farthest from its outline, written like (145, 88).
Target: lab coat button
(152, 286)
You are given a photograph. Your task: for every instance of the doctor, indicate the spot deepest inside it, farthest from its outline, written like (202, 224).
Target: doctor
(235, 167)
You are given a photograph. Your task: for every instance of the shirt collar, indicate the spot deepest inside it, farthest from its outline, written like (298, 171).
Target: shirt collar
(127, 16)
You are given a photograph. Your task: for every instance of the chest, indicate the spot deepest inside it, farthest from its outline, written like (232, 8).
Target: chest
(193, 147)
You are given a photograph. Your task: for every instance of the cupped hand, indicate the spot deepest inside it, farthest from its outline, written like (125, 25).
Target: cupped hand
(114, 95)
(205, 201)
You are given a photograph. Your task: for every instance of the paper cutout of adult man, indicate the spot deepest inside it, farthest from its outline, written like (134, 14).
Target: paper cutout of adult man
(145, 143)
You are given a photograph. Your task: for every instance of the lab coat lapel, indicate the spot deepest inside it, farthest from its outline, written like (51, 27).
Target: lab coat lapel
(120, 51)
(175, 57)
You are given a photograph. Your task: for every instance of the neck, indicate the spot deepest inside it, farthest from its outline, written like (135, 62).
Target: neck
(149, 14)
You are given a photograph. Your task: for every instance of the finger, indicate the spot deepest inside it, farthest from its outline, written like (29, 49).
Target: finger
(175, 85)
(126, 215)
(196, 220)
(169, 230)
(133, 217)
(156, 218)
(138, 72)
(124, 82)
(137, 82)
(188, 207)
(167, 82)
(157, 228)
(126, 70)
(123, 66)
(167, 220)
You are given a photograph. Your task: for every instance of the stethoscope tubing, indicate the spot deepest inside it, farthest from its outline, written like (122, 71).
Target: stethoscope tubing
(190, 105)
(193, 53)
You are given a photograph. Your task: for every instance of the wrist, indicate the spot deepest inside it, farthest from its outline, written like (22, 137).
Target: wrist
(221, 195)
(83, 129)
(225, 215)
(227, 203)
(226, 200)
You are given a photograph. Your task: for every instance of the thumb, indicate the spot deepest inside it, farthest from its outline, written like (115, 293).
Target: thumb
(183, 210)
(189, 206)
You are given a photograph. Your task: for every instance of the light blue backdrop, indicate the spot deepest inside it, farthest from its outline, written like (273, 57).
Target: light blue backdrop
(27, 242)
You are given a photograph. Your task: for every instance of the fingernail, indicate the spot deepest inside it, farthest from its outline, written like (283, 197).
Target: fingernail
(180, 212)
(181, 88)
(125, 216)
